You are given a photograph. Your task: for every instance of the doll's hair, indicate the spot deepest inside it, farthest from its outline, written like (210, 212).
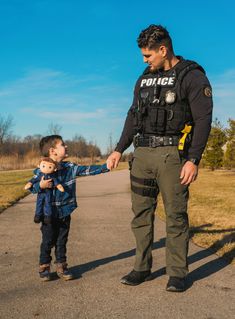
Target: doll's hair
(48, 142)
(49, 160)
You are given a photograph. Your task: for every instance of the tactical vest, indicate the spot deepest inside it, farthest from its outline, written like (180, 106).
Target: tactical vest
(160, 108)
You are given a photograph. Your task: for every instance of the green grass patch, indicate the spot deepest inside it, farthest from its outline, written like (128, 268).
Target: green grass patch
(12, 186)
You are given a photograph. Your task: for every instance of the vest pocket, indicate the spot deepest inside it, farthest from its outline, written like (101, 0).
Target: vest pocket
(156, 120)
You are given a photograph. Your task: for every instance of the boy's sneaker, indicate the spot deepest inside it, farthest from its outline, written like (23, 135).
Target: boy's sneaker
(63, 272)
(44, 272)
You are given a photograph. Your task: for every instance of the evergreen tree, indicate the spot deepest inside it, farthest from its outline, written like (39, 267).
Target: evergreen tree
(213, 156)
(229, 155)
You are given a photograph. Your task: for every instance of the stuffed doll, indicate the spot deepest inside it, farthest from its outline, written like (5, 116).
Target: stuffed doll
(48, 169)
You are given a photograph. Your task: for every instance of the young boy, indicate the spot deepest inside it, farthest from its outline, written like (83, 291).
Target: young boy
(55, 234)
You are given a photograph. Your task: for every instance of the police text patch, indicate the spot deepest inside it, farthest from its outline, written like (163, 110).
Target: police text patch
(162, 81)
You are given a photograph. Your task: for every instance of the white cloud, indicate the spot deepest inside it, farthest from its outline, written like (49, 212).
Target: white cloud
(68, 116)
(224, 95)
(224, 84)
(42, 96)
(53, 90)
(45, 80)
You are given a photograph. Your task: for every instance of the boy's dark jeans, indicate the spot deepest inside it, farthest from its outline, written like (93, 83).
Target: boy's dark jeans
(54, 235)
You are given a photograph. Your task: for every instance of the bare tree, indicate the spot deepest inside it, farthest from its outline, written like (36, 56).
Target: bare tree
(93, 150)
(78, 146)
(6, 123)
(31, 143)
(110, 147)
(54, 129)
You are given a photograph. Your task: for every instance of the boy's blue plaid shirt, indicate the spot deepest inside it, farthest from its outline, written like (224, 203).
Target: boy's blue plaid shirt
(64, 203)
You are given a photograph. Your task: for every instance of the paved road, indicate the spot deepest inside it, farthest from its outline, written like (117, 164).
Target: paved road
(101, 250)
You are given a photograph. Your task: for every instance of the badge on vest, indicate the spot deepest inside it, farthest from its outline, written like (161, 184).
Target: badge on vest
(170, 97)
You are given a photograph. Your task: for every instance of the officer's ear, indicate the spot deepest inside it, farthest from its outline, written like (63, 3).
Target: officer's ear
(163, 51)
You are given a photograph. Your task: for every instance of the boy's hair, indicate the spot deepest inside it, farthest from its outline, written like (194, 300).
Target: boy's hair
(153, 37)
(47, 142)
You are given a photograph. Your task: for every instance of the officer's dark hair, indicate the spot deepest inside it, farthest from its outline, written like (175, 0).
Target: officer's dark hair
(153, 37)
(48, 142)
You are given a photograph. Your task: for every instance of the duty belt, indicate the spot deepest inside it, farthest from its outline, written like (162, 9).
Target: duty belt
(155, 141)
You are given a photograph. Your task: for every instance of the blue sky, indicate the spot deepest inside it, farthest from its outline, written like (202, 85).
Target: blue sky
(75, 63)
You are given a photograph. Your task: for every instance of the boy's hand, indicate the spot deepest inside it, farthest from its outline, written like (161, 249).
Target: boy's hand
(45, 183)
(113, 160)
(28, 186)
(60, 188)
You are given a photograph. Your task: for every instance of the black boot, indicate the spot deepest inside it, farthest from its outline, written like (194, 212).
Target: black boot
(135, 278)
(176, 284)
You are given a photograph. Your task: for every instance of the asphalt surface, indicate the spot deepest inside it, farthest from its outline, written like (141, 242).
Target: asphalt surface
(101, 250)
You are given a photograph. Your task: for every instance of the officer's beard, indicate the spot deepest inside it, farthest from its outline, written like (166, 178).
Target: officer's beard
(156, 69)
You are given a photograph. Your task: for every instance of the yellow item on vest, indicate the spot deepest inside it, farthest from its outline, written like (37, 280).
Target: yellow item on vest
(187, 129)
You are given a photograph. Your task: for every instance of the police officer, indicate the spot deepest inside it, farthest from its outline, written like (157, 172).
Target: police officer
(169, 123)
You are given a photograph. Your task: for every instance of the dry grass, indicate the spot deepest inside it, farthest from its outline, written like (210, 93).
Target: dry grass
(212, 212)
(31, 160)
(15, 162)
(122, 165)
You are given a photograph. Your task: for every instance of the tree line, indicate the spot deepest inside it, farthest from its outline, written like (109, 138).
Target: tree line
(219, 152)
(11, 144)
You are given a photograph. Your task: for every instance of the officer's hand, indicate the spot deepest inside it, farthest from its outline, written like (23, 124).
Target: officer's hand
(113, 160)
(188, 173)
(45, 183)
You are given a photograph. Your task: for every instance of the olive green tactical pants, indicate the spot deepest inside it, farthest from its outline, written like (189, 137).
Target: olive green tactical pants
(163, 164)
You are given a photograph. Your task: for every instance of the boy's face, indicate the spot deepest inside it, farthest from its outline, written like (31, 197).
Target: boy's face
(59, 152)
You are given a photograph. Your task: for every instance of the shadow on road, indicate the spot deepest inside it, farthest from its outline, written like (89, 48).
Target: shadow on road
(79, 270)
(203, 271)
(216, 264)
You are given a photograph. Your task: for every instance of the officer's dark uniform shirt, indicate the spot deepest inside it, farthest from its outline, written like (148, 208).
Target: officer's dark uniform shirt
(196, 88)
